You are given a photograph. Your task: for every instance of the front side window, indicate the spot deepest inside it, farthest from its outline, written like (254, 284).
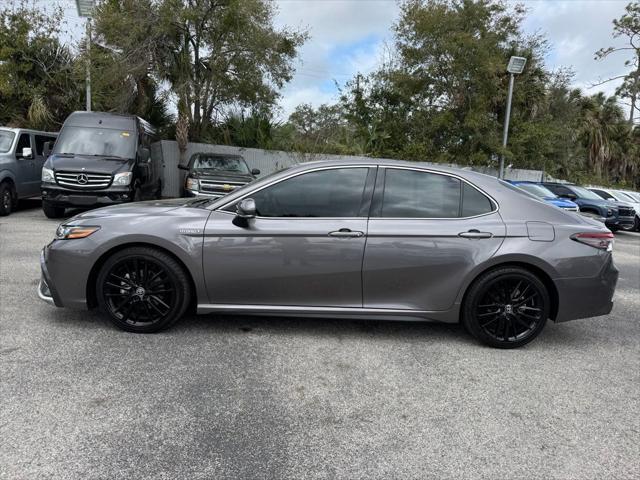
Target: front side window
(6, 140)
(413, 194)
(23, 142)
(325, 193)
(96, 141)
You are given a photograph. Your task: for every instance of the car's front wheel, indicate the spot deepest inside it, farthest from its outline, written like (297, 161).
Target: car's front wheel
(506, 307)
(142, 290)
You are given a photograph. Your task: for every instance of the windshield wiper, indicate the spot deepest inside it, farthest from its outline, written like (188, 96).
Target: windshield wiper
(200, 201)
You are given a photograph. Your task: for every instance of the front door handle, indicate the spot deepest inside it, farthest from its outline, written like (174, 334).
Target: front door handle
(346, 233)
(475, 234)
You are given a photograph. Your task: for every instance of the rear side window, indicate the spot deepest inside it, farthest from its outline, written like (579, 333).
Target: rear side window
(413, 194)
(474, 202)
(324, 193)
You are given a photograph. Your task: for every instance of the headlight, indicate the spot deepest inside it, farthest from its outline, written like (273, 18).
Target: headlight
(609, 212)
(193, 184)
(123, 178)
(68, 232)
(47, 175)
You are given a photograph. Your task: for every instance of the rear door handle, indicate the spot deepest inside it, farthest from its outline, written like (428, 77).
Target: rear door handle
(346, 233)
(475, 234)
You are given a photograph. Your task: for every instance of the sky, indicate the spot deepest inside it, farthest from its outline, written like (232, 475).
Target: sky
(350, 36)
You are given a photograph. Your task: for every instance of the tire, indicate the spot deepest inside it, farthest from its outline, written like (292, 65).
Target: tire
(7, 197)
(636, 224)
(123, 286)
(158, 194)
(51, 211)
(137, 194)
(506, 308)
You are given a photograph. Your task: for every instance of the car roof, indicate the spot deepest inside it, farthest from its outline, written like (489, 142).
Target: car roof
(27, 130)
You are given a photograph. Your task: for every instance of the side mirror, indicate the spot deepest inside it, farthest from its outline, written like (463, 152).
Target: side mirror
(144, 154)
(255, 171)
(183, 167)
(46, 149)
(26, 153)
(246, 208)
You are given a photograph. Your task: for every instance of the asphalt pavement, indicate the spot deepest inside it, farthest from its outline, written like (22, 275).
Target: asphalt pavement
(251, 398)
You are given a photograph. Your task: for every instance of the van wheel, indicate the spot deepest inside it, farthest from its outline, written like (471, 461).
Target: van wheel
(506, 308)
(51, 211)
(137, 193)
(7, 194)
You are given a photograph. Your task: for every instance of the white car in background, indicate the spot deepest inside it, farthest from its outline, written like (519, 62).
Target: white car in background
(630, 198)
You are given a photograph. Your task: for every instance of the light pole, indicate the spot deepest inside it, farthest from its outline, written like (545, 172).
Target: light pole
(515, 67)
(85, 10)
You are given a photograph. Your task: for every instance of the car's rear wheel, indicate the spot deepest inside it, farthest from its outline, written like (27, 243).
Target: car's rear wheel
(142, 290)
(506, 308)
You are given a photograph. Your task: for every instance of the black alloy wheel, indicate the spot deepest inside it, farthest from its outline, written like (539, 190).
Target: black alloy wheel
(142, 290)
(507, 307)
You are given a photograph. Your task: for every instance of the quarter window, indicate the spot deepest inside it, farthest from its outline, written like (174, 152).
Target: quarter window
(474, 202)
(324, 193)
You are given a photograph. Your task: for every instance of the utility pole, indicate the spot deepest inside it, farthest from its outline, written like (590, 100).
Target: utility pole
(85, 9)
(515, 67)
(89, 64)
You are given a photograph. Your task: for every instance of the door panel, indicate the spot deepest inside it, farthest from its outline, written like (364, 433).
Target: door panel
(27, 184)
(280, 261)
(420, 263)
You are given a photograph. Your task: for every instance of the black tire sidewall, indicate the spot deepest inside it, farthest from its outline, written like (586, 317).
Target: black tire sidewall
(51, 211)
(468, 310)
(175, 271)
(6, 189)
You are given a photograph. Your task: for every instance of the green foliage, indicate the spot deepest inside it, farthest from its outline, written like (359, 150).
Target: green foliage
(216, 56)
(443, 98)
(36, 72)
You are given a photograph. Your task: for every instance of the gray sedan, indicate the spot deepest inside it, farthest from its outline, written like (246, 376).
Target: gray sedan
(374, 239)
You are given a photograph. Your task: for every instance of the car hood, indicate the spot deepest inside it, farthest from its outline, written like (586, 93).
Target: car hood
(87, 163)
(149, 208)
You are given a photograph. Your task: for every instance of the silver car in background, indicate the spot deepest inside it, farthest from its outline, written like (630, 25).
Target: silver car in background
(371, 239)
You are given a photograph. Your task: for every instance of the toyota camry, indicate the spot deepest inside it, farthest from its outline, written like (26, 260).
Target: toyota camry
(371, 239)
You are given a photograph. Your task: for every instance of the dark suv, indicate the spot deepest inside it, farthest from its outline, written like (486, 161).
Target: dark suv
(214, 175)
(615, 216)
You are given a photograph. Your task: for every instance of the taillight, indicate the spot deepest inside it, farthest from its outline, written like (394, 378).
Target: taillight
(603, 241)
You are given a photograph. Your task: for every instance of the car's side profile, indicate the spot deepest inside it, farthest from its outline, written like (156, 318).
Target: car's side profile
(385, 240)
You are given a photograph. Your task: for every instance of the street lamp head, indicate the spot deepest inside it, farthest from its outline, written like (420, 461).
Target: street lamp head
(516, 65)
(85, 7)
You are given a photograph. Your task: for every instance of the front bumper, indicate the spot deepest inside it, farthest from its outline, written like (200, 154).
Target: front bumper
(46, 290)
(63, 197)
(587, 297)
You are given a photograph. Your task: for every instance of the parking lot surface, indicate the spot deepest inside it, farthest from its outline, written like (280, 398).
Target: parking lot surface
(241, 397)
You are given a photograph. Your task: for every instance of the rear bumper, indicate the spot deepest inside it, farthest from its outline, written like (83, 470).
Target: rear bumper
(587, 297)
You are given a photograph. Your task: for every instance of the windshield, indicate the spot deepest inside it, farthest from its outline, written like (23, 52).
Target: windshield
(220, 163)
(6, 140)
(625, 197)
(584, 193)
(537, 190)
(96, 141)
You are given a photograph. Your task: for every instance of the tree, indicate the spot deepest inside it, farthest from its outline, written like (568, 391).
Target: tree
(216, 56)
(37, 82)
(627, 26)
